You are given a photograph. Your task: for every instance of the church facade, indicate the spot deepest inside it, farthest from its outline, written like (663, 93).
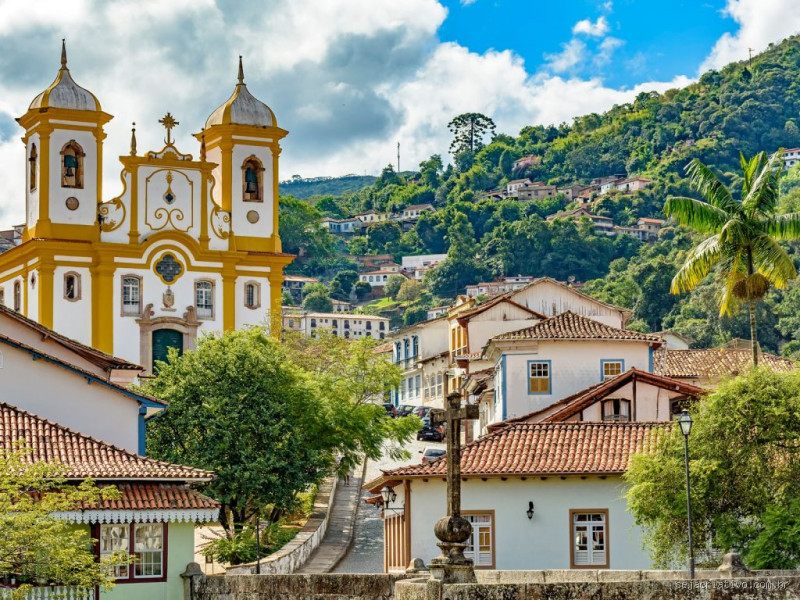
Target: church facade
(189, 245)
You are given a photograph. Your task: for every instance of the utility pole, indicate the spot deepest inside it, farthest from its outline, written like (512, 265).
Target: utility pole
(398, 157)
(750, 60)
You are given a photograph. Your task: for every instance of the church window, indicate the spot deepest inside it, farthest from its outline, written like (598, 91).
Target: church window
(252, 295)
(32, 162)
(252, 180)
(204, 299)
(17, 296)
(72, 286)
(72, 165)
(131, 295)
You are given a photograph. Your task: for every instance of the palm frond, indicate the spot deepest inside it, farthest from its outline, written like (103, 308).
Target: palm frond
(698, 264)
(772, 261)
(705, 181)
(783, 227)
(700, 216)
(760, 195)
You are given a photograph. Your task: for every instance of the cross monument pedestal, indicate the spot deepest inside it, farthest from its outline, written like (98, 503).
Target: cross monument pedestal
(453, 530)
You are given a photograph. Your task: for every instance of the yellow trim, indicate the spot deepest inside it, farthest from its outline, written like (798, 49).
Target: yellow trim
(103, 307)
(37, 117)
(46, 293)
(161, 257)
(275, 291)
(255, 244)
(275, 237)
(229, 297)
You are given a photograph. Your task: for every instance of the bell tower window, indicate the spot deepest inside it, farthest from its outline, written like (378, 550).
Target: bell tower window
(252, 180)
(72, 165)
(72, 286)
(32, 160)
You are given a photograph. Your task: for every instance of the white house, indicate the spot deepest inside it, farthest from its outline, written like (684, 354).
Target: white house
(515, 184)
(415, 210)
(412, 346)
(602, 225)
(341, 324)
(340, 226)
(493, 288)
(633, 184)
(410, 263)
(378, 279)
(539, 496)
(790, 157)
(294, 284)
(372, 216)
(557, 357)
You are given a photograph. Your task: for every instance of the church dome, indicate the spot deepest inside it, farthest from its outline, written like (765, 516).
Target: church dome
(64, 92)
(242, 108)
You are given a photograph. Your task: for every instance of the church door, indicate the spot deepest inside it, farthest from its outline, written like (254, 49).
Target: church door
(163, 340)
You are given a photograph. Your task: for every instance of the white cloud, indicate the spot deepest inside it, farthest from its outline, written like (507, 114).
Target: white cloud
(467, 2)
(597, 29)
(347, 78)
(760, 23)
(606, 49)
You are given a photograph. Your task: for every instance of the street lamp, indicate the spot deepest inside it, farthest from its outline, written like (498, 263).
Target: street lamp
(388, 495)
(685, 421)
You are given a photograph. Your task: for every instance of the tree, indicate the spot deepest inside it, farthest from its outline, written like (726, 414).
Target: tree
(468, 130)
(745, 232)
(286, 298)
(346, 279)
(393, 285)
(240, 408)
(300, 230)
(318, 302)
(37, 546)
(363, 289)
(745, 474)
(409, 290)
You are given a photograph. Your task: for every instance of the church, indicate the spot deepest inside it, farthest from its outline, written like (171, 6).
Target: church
(189, 244)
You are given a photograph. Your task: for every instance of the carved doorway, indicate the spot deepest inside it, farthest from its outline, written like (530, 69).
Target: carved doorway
(163, 340)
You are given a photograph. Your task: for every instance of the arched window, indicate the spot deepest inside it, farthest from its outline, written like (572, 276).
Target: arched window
(131, 295)
(252, 180)
(32, 160)
(204, 299)
(252, 294)
(72, 165)
(72, 286)
(17, 296)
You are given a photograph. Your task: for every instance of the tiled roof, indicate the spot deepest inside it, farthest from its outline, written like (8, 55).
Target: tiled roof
(571, 326)
(84, 456)
(546, 449)
(156, 496)
(714, 362)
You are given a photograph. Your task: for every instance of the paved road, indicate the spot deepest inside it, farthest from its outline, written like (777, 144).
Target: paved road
(366, 552)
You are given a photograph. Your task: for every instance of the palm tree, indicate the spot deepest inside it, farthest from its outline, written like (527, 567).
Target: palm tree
(745, 231)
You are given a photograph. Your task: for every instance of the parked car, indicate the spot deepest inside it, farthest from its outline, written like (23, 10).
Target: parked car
(434, 433)
(432, 453)
(390, 409)
(422, 411)
(405, 410)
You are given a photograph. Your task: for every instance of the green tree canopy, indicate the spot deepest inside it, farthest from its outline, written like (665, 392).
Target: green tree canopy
(468, 131)
(745, 474)
(393, 285)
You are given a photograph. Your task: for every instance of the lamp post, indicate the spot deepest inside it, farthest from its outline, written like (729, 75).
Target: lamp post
(388, 495)
(685, 421)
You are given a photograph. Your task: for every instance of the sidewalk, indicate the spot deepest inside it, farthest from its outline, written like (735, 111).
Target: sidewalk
(340, 528)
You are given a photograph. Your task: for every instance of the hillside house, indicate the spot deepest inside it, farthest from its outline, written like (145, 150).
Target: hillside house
(413, 346)
(790, 157)
(372, 216)
(340, 324)
(413, 212)
(513, 186)
(526, 161)
(294, 284)
(633, 184)
(602, 225)
(340, 226)
(493, 288)
(536, 191)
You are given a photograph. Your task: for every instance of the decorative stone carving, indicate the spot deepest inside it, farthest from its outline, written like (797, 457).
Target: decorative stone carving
(168, 298)
(733, 566)
(221, 223)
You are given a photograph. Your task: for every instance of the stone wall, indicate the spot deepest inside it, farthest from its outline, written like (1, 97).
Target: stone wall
(295, 554)
(296, 587)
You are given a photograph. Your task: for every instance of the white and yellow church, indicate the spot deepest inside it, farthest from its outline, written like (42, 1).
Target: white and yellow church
(189, 245)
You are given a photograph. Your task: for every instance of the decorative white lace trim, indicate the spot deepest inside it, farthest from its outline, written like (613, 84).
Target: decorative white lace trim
(171, 515)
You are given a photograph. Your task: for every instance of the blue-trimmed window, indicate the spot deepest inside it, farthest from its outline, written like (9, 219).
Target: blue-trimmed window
(611, 368)
(540, 377)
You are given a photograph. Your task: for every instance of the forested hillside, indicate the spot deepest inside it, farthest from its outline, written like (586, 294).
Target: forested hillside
(745, 107)
(320, 186)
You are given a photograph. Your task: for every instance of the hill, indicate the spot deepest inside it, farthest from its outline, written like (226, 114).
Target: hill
(325, 186)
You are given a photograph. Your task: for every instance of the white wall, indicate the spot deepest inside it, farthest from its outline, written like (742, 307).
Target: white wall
(574, 366)
(33, 295)
(241, 226)
(86, 213)
(33, 196)
(59, 395)
(551, 299)
(73, 318)
(252, 316)
(542, 542)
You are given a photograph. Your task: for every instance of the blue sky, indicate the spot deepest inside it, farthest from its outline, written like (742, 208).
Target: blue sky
(350, 79)
(659, 39)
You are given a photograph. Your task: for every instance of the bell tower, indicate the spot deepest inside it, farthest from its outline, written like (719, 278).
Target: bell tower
(242, 137)
(64, 149)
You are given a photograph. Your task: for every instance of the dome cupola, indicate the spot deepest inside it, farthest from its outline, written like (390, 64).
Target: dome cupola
(242, 108)
(64, 92)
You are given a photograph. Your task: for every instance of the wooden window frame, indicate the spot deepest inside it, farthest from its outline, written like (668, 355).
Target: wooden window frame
(491, 514)
(614, 416)
(95, 533)
(122, 311)
(574, 511)
(257, 295)
(200, 317)
(78, 286)
(549, 364)
(609, 361)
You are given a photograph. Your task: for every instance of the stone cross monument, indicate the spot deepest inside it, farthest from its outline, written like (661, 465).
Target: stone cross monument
(453, 531)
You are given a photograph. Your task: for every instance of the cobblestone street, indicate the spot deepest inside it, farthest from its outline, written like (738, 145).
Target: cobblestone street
(366, 553)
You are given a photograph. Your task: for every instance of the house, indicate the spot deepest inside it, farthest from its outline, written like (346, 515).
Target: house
(632, 184)
(378, 279)
(409, 263)
(412, 346)
(706, 367)
(340, 324)
(154, 518)
(436, 312)
(67, 382)
(673, 340)
(526, 161)
(340, 306)
(493, 288)
(650, 227)
(294, 284)
(514, 185)
(790, 157)
(538, 496)
(535, 191)
(602, 225)
(556, 357)
(572, 192)
(341, 226)
(413, 212)
(372, 216)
